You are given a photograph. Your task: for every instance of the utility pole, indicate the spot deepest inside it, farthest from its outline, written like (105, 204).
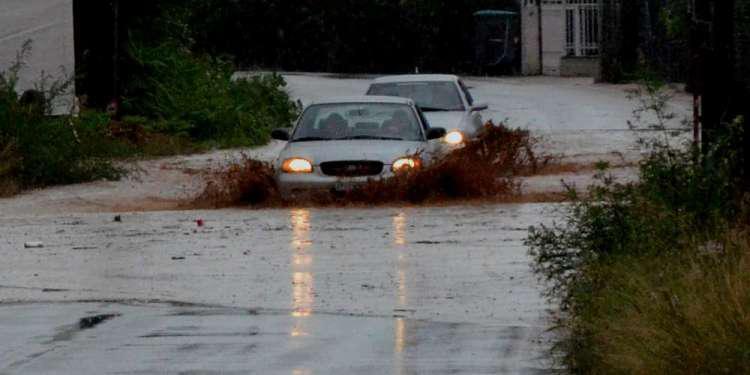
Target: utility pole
(540, 31)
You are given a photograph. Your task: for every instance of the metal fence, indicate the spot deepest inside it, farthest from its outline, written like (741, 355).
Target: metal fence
(582, 27)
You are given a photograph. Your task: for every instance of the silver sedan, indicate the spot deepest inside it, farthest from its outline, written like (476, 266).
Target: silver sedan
(445, 100)
(339, 144)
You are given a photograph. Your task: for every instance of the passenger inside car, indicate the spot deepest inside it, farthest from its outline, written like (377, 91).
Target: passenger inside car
(398, 126)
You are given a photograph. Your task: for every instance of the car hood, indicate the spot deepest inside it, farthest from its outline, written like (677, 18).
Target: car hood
(448, 120)
(375, 150)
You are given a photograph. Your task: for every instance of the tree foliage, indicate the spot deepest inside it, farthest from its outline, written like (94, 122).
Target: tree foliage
(340, 35)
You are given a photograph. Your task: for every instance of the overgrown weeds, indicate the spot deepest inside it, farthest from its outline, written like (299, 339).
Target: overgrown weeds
(37, 149)
(648, 273)
(684, 313)
(177, 103)
(486, 168)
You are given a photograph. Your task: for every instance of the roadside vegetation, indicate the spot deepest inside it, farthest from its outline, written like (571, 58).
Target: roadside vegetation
(37, 149)
(195, 98)
(191, 100)
(653, 277)
(175, 102)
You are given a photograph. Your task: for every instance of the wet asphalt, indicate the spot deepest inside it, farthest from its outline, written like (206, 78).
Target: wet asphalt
(298, 291)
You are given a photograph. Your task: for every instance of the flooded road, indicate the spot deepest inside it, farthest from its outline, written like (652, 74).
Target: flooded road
(301, 291)
(385, 290)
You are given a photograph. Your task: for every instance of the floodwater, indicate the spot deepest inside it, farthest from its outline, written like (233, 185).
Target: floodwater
(299, 291)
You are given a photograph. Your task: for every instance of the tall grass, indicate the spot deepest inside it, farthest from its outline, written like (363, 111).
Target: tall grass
(676, 314)
(652, 276)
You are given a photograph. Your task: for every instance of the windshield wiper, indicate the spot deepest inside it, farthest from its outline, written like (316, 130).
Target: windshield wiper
(310, 139)
(373, 137)
(434, 109)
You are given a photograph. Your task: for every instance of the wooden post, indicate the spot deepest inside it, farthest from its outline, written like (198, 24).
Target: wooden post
(719, 71)
(116, 55)
(540, 30)
(696, 120)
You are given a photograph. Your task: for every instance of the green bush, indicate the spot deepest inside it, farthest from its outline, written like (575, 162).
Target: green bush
(602, 262)
(183, 94)
(37, 149)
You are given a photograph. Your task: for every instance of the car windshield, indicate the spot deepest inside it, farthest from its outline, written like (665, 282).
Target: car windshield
(430, 96)
(376, 121)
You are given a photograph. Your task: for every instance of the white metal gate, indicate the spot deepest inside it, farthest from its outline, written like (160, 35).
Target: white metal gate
(582, 27)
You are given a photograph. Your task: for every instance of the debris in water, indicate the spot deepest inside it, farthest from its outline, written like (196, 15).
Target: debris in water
(93, 321)
(85, 248)
(200, 223)
(428, 243)
(34, 245)
(118, 219)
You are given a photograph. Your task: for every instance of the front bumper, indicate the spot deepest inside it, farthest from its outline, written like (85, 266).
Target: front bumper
(293, 185)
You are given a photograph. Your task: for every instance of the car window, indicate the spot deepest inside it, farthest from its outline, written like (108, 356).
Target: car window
(377, 121)
(430, 96)
(467, 93)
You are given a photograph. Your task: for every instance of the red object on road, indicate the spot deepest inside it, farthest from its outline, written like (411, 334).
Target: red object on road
(200, 222)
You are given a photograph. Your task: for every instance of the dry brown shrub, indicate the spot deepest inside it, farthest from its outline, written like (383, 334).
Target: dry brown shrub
(249, 182)
(485, 168)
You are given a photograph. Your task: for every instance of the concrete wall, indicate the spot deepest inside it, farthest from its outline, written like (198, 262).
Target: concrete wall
(571, 66)
(553, 43)
(529, 39)
(49, 24)
(553, 25)
(553, 22)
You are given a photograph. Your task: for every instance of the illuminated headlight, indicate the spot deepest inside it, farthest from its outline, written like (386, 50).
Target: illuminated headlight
(454, 137)
(406, 164)
(297, 165)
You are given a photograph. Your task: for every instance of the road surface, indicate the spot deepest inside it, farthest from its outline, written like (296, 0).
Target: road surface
(367, 291)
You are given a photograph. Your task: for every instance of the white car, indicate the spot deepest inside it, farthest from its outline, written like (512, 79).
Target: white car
(341, 143)
(444, 99)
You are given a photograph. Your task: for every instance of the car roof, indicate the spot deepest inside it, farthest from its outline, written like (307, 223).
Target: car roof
(417, 78)
(365, 99)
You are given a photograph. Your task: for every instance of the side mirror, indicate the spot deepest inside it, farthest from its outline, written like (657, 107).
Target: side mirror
(436, 133)
(479, 107)
(280, 135)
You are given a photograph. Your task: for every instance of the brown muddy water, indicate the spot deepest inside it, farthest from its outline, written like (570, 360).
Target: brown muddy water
(485, 170)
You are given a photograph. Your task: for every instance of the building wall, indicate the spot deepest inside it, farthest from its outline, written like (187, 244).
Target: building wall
(529, 39)
(49, 25)
(553, 22)
(553, 41)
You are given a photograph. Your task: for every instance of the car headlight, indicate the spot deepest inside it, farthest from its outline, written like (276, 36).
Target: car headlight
(454, 137)
(406, 164)
(297, 165)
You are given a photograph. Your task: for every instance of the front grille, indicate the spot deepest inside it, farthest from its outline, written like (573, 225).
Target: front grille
(352, 168)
